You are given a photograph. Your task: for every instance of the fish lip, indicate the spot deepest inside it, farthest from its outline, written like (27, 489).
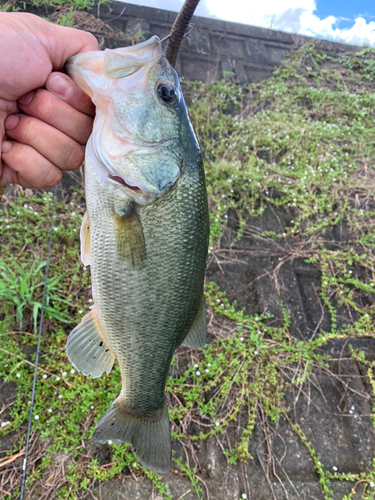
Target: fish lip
(122, 182)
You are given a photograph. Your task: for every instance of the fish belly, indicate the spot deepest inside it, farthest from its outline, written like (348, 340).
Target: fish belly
(146, 312)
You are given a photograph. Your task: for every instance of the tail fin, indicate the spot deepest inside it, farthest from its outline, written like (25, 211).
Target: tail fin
(150, 438)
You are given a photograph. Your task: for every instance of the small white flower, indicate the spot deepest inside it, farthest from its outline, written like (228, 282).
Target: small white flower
(55, 228)
(255, 352)
(36, 417)
(352, 408)
(208, 364)
(72, 371)
(109, 441)
(45, 375)
(350, 272)
(8, 227)
(80, 311)
(372, 485)
(18, 375)
(35, 213)
(72, 214)
(90, 300)
(134, 465)
(195, 366)
(334, 467)
(244, 494)
(49, 410)
(25, 206)
(206, 370)
(64, 374)
(3, 424)
(217, 424)
(60, 396)
(241, 339)
(92, 407)
(319, 463)
(57, 378)
(197, 372)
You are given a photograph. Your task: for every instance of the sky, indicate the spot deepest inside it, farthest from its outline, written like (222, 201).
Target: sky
(339, 20)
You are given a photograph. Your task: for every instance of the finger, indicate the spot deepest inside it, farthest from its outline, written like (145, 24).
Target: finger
(67, 43)
(57, 147)
(34, 171)
(50, 109)
(63, 86)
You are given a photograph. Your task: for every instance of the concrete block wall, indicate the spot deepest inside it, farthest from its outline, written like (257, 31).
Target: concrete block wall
(213, 47)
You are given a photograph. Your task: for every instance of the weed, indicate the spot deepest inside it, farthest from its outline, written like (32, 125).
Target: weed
(300, 143)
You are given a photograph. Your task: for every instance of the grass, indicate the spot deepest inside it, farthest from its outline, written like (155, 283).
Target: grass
(301, 143)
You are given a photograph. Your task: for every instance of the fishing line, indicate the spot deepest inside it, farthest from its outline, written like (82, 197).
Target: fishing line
(191, 27)
(38, 347)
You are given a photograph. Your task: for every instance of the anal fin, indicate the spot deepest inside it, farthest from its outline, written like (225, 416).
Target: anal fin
(87, 349)
(198, 332)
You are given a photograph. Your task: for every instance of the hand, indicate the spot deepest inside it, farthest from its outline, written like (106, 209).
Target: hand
(46, 138)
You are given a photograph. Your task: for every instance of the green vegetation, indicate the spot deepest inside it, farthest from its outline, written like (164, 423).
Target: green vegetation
(302, 143)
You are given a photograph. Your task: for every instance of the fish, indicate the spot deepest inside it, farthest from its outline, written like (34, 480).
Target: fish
(145, 237)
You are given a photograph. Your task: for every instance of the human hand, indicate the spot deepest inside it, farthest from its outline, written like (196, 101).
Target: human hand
(46, 138)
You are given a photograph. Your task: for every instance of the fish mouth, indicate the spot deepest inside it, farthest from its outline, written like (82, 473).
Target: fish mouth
(121, 181)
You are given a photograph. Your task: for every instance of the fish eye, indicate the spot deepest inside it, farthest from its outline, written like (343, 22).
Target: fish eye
(166, 92)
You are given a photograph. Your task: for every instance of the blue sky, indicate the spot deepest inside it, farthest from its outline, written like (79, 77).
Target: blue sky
(345, 8)
(341, 20)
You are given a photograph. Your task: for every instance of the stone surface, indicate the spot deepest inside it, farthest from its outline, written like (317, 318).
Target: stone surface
(212, 47)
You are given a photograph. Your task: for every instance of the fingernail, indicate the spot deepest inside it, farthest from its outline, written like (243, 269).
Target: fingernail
(59, 85)
(5, 146)
(11, 122)
(26, 99)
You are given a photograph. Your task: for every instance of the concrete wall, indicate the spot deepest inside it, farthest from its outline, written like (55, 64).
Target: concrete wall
(213, 47)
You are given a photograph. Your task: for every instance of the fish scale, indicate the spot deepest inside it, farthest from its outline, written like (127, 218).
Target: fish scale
(145, 237)
(168, 234)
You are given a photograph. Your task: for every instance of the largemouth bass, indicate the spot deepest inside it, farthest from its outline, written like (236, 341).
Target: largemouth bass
(145, 237)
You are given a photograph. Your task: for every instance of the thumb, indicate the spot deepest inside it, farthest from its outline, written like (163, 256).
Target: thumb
(59, 42)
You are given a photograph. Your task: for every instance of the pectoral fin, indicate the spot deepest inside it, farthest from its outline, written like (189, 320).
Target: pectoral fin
(87, 349)
(198, 332)
(85, 240)
(130, 241)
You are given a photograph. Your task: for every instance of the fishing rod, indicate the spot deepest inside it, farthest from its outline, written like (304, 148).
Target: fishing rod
(178, 31)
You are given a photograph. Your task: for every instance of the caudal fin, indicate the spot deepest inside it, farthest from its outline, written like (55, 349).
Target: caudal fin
(150, 438)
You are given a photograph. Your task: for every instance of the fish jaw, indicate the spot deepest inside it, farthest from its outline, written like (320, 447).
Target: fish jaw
(142, 173)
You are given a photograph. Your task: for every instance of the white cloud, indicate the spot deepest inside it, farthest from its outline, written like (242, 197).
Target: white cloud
(293, 16)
